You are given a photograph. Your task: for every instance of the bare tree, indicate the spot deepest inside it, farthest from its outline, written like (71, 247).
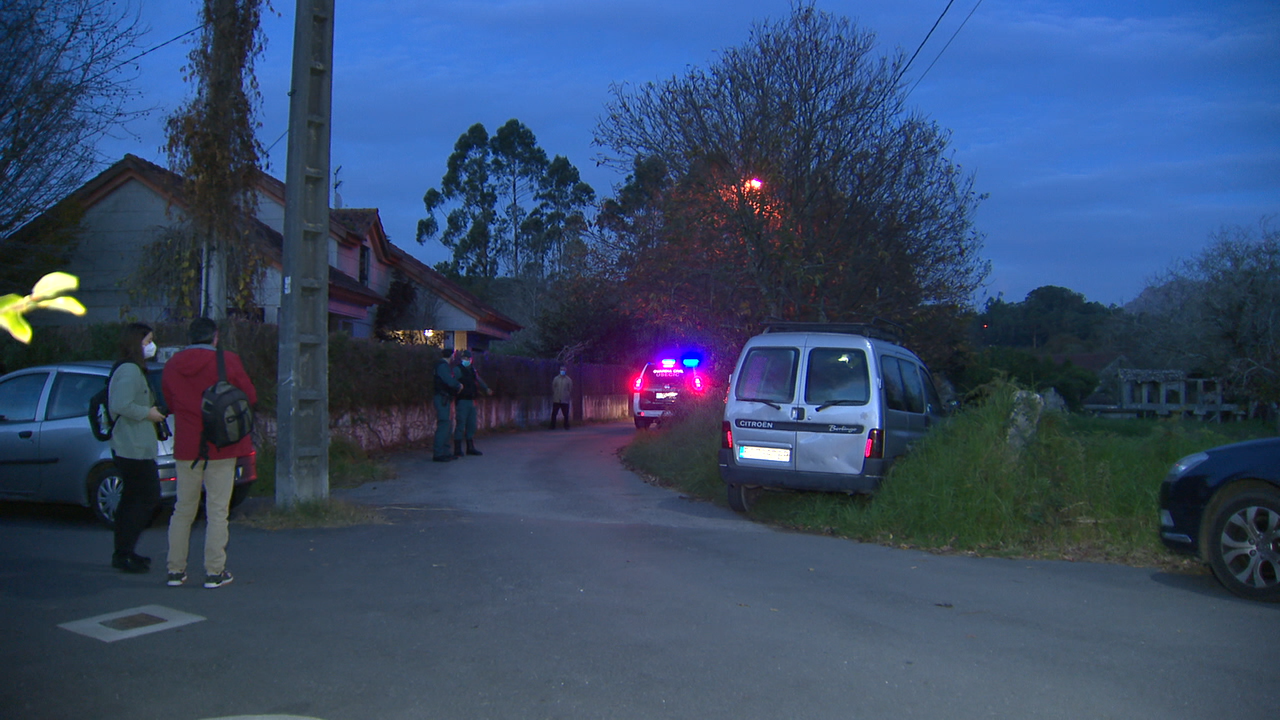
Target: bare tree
(790, 183)
(1217, 313)
(215, 257)
(64, 83)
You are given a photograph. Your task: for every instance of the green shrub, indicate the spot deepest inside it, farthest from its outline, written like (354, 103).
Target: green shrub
(1082, 489)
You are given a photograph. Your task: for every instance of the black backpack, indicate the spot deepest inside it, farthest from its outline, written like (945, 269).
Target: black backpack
(100, 421)
(225, 413)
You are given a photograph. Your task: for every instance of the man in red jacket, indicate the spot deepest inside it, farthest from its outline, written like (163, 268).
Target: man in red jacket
(186, 376)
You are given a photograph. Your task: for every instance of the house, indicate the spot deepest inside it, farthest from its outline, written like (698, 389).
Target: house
(127, 206)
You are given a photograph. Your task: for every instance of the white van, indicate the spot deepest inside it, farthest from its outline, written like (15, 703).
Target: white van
(822, 406)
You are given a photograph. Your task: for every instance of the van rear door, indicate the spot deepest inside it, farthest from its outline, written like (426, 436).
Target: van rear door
(904, 402)
(837, 411)
(761, 407)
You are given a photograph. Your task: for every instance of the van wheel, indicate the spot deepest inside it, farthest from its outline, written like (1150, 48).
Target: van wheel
(105, 488)
(742, 497)
(643, 423)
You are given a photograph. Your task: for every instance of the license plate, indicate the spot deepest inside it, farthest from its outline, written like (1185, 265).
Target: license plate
(751, 452)
(665, 396)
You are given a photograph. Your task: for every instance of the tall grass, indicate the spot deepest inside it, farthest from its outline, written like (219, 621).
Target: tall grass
(1082, 489)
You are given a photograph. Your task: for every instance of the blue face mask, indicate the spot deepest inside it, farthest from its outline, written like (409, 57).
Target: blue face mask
(562, 372)
(466, 363)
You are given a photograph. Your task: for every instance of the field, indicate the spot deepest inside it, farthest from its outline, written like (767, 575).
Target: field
(1083, 489)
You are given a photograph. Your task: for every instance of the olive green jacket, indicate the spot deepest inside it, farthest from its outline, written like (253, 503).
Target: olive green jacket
(130, 400)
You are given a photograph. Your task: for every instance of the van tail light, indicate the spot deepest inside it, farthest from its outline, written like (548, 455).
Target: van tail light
(875, 444)
(726, 436)
(637, 383)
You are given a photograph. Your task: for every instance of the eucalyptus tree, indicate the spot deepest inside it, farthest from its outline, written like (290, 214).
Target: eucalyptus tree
(505, 207)
(561, 221)
(468, 188)
(788, 180)
(518, 166)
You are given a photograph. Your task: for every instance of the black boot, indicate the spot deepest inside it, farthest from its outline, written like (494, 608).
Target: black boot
(457, 448)
(471, 448)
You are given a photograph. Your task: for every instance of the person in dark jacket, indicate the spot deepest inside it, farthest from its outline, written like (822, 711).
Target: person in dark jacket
(465, 410)
(186, 376)
(132, 404)
(447, 387)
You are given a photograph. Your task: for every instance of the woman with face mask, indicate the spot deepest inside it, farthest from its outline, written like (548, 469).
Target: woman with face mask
(132, 405)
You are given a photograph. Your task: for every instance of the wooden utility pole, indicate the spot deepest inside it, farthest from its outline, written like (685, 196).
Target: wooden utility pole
(302, 413)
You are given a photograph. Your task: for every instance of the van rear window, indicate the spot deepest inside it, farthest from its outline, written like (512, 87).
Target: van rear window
(837, 375)
(768, 373)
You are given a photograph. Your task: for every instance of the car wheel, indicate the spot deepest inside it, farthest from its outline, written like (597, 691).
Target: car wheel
(105, 487)
(1243, 545)
(643, 423)
(742, 497)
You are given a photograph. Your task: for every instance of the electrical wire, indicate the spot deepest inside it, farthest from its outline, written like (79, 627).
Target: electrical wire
(944, 47)
(926, 39)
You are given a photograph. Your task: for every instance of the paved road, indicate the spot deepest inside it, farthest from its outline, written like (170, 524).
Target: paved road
(544, 581)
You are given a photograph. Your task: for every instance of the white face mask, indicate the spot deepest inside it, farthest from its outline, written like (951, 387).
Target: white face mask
(149, 350)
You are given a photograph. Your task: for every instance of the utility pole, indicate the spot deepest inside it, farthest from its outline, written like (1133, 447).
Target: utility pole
(302, 414)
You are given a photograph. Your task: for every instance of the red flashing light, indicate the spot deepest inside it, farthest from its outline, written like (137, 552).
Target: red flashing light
(697, 383)
(638, 383)
(875, 444)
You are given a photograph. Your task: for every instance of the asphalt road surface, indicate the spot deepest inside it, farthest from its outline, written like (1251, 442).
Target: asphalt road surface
(543, 580)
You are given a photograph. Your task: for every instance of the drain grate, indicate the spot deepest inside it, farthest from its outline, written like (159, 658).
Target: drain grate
(131, 623)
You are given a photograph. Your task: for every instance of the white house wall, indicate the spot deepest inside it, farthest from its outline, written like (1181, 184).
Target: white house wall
(114, 233)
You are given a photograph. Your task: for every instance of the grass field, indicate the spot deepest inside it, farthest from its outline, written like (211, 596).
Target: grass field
(1083, 489)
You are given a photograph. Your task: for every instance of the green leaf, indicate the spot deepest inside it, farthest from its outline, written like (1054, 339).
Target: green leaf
(64, 304)
(55, 284)
(16, 325)
(9, 301)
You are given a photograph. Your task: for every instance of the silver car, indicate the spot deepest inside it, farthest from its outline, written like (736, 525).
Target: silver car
(48, 453)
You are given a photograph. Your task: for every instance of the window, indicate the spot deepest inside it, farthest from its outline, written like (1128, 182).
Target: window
(837, 375)
(19, 397)
(768, 374)
(911, 383)
(364, 265)
(903, 389)
(71, 393)
(895, 396)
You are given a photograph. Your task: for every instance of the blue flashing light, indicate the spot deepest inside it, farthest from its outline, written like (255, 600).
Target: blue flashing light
(691, 362)
(668, 363)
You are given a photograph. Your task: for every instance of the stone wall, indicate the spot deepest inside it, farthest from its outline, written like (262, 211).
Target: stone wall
(382, 429)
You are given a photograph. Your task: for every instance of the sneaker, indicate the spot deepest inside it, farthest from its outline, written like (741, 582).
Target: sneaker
(176, 579)
(217, 581)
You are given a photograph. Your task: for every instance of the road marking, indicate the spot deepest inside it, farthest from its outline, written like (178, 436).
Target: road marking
(131, 623)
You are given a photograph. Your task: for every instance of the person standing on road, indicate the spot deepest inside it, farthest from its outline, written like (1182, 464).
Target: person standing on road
(471, 383)
(186, 376)
(561, 391)
(131, 401)
(447, 387)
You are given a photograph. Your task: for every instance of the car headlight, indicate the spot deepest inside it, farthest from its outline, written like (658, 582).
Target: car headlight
(1183, 466)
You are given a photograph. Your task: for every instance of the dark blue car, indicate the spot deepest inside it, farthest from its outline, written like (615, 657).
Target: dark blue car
(1223, 505)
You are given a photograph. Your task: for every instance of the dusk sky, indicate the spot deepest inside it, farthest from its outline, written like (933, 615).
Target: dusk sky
(1113, 138)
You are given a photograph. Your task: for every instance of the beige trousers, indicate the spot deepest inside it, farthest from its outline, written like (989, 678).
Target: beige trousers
(217, 481)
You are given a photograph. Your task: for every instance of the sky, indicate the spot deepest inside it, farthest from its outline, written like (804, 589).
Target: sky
(1111, 138)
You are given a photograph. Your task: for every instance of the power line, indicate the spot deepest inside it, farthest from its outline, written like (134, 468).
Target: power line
(944, 47)
(926, 39)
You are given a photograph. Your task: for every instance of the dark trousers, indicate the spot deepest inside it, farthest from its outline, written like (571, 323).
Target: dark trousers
(559, 408)
(139, 497)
